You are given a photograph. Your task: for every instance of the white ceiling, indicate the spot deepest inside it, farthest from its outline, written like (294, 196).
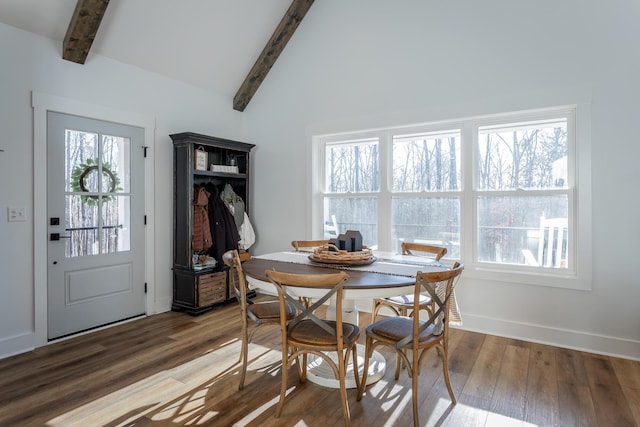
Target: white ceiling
(208, 43)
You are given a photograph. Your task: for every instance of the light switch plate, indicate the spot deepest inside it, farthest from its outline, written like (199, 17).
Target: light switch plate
(16, 214)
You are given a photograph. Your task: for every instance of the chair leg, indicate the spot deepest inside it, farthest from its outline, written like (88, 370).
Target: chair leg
(445, 369)
(374, 310)
(303, 368)
(342, 370)
(244, 354)
(356, 371)
(365, 370)
(414, 395)
(283, 387)
(299, 366)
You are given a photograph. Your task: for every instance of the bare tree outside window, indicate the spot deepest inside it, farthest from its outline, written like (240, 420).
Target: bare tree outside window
(352, 167)
(514, 187)
(521, 156)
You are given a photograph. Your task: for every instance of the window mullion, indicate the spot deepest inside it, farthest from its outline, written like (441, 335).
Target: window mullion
(385, 195)
(468, 231)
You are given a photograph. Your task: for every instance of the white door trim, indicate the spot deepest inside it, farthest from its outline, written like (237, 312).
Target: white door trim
(42, 103)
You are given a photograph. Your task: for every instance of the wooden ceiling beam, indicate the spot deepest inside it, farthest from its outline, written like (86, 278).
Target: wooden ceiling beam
(82, 29)
(271, 52)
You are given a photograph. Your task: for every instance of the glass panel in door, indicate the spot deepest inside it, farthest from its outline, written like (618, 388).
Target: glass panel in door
(98, 208)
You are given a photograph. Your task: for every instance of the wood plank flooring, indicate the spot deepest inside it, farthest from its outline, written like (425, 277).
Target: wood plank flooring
(172, 369)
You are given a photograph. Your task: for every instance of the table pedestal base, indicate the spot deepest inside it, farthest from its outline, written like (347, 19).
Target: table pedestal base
(319, 372)
(349, 311)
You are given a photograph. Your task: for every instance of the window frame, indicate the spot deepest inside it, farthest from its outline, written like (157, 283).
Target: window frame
(577, 275)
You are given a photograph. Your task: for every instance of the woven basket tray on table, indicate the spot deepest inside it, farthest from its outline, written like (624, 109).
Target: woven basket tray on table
(330, 254)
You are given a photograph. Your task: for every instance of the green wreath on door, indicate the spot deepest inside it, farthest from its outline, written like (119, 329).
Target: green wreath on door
(82, 171)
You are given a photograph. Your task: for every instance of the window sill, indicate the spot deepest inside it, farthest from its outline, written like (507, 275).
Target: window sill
(549, 277)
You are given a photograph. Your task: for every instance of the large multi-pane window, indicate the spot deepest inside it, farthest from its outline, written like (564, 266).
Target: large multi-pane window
(495, 191)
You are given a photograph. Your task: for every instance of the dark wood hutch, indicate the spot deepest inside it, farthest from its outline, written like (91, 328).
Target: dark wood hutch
(202, 160)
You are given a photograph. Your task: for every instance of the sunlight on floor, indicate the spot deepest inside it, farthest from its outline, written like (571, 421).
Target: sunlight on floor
(258, 411)
(181, 394)
(398, 399)
(499, 420)
(401, 405)
(189, 394)
(184, 409)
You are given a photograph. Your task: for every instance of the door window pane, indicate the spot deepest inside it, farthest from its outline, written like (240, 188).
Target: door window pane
(81, 156)
(81, 225)
(116, 164)
(116, 213)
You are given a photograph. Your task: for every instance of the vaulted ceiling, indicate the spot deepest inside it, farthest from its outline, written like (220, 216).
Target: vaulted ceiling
(227, 46)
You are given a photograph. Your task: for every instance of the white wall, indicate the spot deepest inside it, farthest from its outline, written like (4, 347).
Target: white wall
(373, 63)
(32, 63)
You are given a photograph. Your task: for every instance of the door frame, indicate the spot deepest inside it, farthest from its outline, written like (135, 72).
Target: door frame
(42, 103)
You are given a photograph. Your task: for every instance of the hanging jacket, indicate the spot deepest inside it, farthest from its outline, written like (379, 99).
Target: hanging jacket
(201, 239)
(245, 231)
(235, 204)
(247, 235)
(224, 232)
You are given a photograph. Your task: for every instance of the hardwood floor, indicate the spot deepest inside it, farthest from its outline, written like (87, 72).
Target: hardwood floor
(173, 369)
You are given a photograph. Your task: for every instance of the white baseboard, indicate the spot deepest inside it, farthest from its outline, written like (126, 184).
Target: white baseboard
(25, 342)
(16, 344)
(565, 338)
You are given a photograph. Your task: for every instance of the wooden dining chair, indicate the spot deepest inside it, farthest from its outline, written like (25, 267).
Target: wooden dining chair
(403, 305)
(257, 314)
(308, 334)
(308, 245)
(411, 337)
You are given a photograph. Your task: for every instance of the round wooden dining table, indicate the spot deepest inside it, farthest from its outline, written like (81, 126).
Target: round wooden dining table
(363, 283)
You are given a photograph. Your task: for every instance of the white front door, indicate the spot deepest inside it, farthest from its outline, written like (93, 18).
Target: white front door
(95, 223)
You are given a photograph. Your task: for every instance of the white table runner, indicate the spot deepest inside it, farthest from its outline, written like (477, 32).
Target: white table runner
(397, 265)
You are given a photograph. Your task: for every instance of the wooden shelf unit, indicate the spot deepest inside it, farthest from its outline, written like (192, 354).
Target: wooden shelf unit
(198, 290)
